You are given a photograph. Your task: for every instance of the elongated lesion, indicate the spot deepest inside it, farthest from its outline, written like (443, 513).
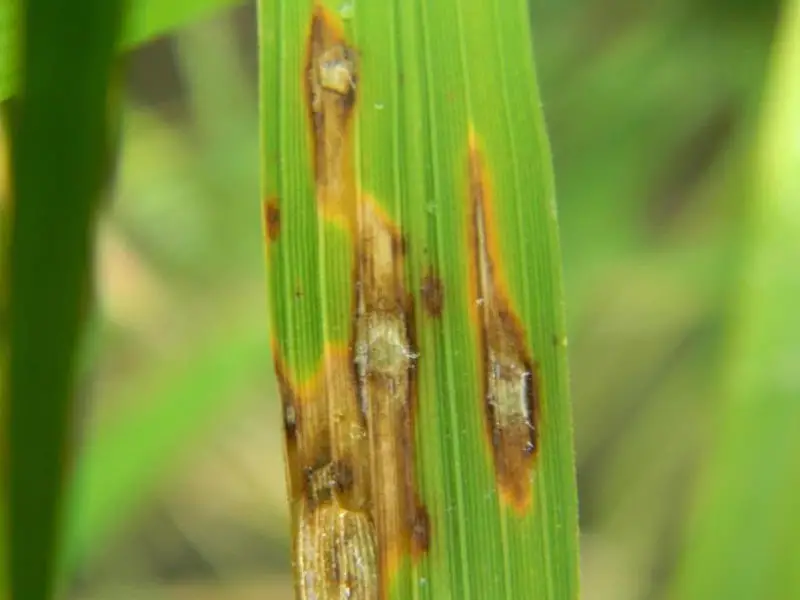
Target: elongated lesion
(510, 392)
(385, 360)
(349, 435)
(325, 433)
(349, 427)
(331, 83)
(330, 482)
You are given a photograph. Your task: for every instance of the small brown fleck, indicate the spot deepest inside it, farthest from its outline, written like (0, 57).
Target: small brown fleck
(420, 532)
(432, 294)
(272, 217)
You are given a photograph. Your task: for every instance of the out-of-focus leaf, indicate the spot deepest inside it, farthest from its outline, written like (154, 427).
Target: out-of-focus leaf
(744, 537)
(146, 19)
(127, 459)
(60, 158)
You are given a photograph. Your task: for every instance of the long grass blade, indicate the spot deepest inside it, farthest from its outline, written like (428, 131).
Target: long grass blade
(60, 148)
(416, 301)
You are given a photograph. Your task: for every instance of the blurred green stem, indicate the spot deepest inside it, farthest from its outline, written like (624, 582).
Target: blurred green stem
(59, 162)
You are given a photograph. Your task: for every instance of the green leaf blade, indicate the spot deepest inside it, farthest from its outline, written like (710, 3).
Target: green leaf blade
(61, 149)
(437, 84)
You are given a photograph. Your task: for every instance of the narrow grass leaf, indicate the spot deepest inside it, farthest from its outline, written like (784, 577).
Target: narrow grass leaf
(417, 310)
(60, 148)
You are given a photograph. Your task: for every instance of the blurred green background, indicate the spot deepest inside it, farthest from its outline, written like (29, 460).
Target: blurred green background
(652, 108)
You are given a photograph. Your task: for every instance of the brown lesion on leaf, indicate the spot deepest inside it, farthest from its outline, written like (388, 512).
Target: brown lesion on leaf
(350, 431)
(325, 434)
(432, 292)
(272, 218)
(349, 428)
(420, 532)
(328, 479)
(385, 359)
(331, 82)
(335, 552)
(289, 404)
(509, 379)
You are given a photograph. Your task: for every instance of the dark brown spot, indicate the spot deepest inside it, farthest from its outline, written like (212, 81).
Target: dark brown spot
(510, 381)
(420, 532)
(272, 216)
(399, 245)
(342, 476)
(432, 294)
(290, 418)
(327, 478)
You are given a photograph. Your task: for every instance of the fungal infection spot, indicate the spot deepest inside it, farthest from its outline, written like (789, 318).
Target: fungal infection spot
(337, 71)
(329, 472)
(325, 432)
(420, 540)
(291, 417)
(332, 479)
(509, 377)
(385, 359)
(331, 79)
(290, 420)
(382, 346)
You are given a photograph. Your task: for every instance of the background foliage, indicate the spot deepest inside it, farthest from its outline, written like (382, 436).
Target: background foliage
(653, 111)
